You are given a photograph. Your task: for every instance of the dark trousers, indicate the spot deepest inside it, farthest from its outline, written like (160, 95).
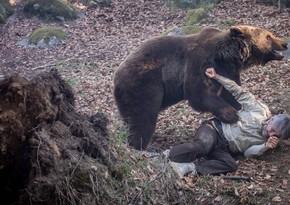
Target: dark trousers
(208, 143)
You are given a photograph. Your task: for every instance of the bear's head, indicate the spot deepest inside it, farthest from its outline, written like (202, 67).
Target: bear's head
(263, 45)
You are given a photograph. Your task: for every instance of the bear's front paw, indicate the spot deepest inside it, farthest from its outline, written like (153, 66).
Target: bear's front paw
(228, 115)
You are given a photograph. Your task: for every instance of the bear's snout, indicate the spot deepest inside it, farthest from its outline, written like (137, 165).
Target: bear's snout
(279, 45)
(285, 45)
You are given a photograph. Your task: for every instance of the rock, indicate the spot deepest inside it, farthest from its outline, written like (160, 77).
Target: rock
(6, 10)
(44, 37)
(53, 9)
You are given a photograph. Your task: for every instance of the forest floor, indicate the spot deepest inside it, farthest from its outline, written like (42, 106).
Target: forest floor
(103, 38)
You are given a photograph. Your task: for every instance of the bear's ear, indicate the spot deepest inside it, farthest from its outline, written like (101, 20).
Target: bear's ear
(236, 31)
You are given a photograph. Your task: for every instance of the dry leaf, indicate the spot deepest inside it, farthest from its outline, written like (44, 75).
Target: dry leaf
(277, 199)
(218, 198)
(189, 181)
(251, 186)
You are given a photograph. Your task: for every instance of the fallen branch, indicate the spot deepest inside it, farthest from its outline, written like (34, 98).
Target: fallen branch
(247, 178)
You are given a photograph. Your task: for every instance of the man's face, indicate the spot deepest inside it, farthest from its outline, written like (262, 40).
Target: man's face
(270, 129)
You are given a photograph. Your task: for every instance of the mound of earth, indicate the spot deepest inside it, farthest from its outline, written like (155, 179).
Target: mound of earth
(46, 149)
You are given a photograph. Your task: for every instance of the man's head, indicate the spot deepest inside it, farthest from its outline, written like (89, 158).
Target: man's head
(278, 125)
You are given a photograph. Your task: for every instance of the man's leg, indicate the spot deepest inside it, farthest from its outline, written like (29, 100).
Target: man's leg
(219, 161)
(205, 139)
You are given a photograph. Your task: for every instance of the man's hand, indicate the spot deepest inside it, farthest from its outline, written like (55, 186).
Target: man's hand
(272, 142)
(210, 72)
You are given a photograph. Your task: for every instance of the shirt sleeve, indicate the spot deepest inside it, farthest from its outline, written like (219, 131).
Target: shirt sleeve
(245, 98)
(255, 150)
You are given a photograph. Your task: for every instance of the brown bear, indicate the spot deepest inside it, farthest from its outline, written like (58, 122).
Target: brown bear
(168, 69)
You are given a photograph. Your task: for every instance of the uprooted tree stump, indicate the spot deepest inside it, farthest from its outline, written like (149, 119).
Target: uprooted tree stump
(50, 154)
(45, 146)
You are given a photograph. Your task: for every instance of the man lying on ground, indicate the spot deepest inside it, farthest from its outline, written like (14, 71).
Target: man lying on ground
(256, 132)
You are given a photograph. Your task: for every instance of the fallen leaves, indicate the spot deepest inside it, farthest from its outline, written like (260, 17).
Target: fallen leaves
(102, 40)
(277, 199)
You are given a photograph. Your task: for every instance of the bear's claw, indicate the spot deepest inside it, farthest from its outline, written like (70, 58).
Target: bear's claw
(229, 115)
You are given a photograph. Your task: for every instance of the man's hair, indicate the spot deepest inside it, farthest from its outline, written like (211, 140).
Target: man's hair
(282, 126)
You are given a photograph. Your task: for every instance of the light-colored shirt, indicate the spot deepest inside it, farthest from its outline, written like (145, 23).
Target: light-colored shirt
(245, 136)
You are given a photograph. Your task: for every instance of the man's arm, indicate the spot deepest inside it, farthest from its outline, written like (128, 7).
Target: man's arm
(243, 97)
(257, 150)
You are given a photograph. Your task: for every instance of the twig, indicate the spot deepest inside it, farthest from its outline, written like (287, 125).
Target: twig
(247, 178)
(77, 163)
(37, 156)
(43, 66)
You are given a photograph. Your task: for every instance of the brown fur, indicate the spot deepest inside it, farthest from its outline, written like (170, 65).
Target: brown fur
(168, 69)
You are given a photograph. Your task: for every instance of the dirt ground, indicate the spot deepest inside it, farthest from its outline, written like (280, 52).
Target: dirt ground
(98, 43)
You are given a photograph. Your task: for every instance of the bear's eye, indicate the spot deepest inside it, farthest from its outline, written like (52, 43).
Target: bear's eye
(268, 37)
